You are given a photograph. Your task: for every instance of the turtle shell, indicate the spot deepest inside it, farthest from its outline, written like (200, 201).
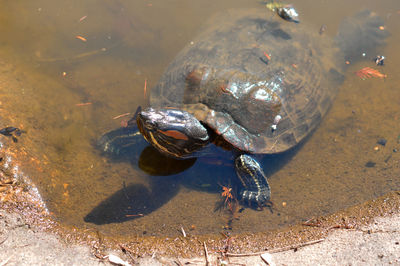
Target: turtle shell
(248, 71)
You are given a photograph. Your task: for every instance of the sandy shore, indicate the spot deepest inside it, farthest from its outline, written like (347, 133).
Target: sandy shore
(374, 244)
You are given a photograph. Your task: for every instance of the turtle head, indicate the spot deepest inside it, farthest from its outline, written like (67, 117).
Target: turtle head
(172, 131)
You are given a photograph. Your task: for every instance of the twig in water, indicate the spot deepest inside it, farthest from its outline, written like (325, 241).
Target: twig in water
(134, 215)
(122, 115)
(83, 104)
(183, 232)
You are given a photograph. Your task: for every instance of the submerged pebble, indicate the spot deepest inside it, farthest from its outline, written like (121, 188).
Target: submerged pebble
(382, 141)
(370, 164)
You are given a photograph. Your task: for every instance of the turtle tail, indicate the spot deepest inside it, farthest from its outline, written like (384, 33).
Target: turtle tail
(361, 33)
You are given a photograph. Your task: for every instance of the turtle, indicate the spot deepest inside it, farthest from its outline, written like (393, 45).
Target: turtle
(250, 82)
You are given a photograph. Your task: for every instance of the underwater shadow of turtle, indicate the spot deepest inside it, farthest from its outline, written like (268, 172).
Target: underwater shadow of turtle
(137, 200)
(154, 163)
(134, 201)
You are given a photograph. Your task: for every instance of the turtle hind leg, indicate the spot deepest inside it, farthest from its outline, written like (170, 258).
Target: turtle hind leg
(255, 184)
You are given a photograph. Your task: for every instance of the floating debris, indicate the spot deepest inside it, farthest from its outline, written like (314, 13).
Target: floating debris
(121, 115)
(227, 193)
(322, 29)
(183, 231)
(83, 39)
(379, 60)
(82, 18)
(134, 215)
(287, 12)
(145, 89)
(267, 56)
(83, 104)
(273, 6)
(368, 72)
(276, 121)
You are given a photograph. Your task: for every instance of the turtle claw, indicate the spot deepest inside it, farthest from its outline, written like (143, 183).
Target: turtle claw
(260, 197)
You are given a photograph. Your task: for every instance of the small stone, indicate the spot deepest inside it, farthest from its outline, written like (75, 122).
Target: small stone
(382, 141)
(370, 164)
(284, 204)
(376, 148)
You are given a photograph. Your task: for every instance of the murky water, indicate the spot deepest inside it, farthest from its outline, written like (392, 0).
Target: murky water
(68, 90)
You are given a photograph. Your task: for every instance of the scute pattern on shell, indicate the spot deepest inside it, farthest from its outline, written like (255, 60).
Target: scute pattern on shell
(299, 78)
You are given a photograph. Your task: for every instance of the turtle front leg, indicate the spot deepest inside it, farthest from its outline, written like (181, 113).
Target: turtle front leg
(256, 188)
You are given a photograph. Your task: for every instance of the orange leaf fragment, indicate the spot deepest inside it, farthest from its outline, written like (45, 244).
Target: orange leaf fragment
(267, 56)
(145, 88)
(83, 104)
(82, 18)
(227, 193)
(368, 72)
(83, 39)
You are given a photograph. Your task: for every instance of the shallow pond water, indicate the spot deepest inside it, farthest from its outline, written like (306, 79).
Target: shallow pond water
(77, 66)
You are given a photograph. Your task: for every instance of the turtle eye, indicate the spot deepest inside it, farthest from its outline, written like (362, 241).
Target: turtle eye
(148, 120)
(150, 125)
